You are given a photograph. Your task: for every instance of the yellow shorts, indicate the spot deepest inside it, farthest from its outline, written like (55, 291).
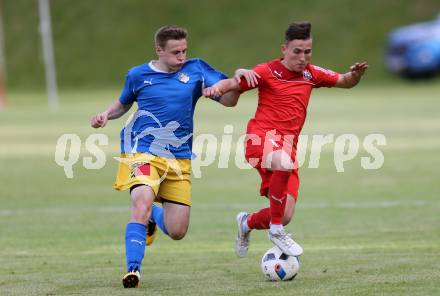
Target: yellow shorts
(169, 178)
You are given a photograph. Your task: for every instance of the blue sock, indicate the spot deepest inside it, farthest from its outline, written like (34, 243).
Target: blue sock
(157, 217)
(135, 235)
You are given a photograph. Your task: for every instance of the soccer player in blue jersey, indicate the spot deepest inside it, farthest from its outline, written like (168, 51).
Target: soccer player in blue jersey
(155, 160)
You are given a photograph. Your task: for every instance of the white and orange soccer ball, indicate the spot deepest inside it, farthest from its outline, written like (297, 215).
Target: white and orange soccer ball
(277, 266)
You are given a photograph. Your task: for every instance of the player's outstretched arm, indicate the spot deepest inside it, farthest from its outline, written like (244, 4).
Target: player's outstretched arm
(250, 76)
(229, 89)
(115, 110)
(351, 78)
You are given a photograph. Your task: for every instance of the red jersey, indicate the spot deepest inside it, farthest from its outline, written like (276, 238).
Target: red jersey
(283, 97)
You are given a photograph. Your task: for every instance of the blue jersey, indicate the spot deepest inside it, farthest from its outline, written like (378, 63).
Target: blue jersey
(163, 123)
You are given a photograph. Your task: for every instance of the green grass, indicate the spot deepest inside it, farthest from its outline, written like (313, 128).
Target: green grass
(373, 232)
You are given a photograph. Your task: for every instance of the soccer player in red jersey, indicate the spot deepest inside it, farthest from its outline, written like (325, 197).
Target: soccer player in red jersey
(284, 89)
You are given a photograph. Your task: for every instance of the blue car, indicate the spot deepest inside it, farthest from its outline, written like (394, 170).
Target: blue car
(414, 51)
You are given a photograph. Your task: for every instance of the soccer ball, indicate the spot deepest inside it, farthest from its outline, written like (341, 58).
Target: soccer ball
(277, 266)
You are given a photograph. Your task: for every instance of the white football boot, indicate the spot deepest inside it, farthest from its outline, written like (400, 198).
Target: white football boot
(286, 244)
(242, 241)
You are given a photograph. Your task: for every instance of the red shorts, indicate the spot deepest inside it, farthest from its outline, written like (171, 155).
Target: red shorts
(256, 151)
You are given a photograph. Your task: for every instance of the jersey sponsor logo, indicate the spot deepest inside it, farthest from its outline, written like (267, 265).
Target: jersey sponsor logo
(307, 75)
(149, 82)
(183, 77)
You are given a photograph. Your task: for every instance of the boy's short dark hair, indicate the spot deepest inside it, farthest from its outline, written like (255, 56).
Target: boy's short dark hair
(298, 30)
(169, 33)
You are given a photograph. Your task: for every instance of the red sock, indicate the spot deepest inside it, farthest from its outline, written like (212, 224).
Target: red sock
(259, 220)
(278, 195)
(262, 218)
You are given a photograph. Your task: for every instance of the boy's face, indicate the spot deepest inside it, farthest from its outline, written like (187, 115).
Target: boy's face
(173, 54)
(297, 54)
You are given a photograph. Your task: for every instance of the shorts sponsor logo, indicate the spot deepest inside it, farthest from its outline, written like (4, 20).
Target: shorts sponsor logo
(139, 169)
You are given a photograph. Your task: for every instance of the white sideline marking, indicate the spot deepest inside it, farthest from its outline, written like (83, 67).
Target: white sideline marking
(301, 205)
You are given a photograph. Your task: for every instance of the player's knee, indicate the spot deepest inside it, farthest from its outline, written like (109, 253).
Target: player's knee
(141, 205)
(141, 209)
(280, 161)
(177, 233)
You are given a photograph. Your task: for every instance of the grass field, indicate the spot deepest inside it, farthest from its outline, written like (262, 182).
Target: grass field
(110, 50)
(365, 232)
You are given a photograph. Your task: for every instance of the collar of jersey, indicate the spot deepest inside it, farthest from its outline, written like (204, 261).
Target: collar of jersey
(287, 74)
(155, 69)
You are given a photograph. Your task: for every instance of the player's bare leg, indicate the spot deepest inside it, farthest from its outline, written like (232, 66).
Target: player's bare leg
(144, 192)
(142, 198)
(176, 218)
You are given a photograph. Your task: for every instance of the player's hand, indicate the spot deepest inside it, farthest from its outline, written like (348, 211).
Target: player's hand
(99, 120)
(358, 69)
(250, 76)
(212, 92)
